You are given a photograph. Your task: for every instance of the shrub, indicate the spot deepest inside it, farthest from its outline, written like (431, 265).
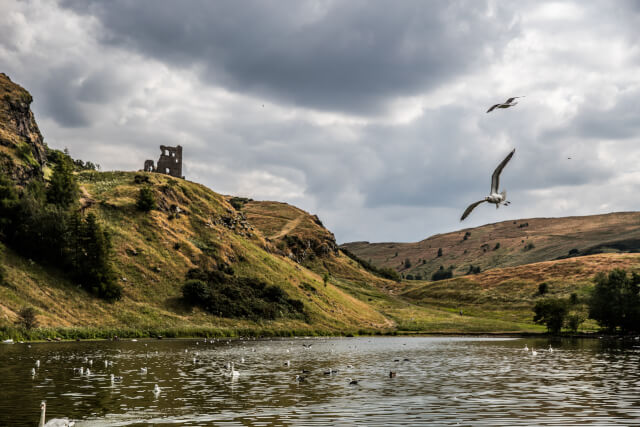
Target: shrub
(63, 189)
(407, 263)
(146, 199)
(27, 318)
(439, 252)
(529, 246)
(573, 251)
(543, 288)
(195, 291)
(497, 246)
(442, 274)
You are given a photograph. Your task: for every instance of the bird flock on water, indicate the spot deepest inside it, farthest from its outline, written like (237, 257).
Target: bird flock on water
(227, 369)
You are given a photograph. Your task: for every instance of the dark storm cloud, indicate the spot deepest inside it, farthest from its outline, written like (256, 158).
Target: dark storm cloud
(343, 56)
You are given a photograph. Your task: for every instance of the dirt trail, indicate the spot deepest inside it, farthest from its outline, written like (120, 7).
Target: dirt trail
(288, 227)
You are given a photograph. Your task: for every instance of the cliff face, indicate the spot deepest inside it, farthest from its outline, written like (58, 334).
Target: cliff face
(22, 149)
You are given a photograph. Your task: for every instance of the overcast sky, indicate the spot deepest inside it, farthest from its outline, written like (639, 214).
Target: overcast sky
(370, 114)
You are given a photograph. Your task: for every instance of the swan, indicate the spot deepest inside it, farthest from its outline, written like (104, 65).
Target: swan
(106, 364)
(37, 363)
(143, 370)
(55, 422)
(300, 379)
(242, 360)
(234, 373)
(533, 352)
(156, 389)
(33, 372)
(90, 362)
(495, 197)
(506, 104)
(87, 372)
(550, 349)
(526, 348)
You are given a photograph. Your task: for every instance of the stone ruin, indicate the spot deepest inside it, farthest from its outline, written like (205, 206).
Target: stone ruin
(169, 163)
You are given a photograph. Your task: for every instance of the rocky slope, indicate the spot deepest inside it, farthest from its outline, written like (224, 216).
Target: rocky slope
(22, 149)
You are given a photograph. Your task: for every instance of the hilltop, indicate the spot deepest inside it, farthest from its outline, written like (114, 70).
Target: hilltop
(507, 244)
(286, 250)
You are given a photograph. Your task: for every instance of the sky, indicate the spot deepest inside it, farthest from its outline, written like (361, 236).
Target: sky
(370, 114)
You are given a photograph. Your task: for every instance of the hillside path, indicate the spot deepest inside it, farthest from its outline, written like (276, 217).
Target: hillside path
(288, 227)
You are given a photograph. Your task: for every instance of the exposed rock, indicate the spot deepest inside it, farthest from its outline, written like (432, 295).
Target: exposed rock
(26, 154)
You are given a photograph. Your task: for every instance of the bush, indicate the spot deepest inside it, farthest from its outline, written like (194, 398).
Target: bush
(543, 288)
(529, 246)
(146, 200)
(228, 296)
(439, 252)
(442, 274)
(407, 263)
(573, 251)
(27, 318)
(497, 246)
(551, 312)
(473, 270)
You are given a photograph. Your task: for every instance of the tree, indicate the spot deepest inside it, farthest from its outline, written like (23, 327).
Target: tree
(543, 288)
(94, 269)
(442, 274)
(325, 278)
(615, 301)
(439, 252)
(8, 204)
(146, 200)
(63, 188)
(407, 263)
(27, 318)
(551, 312)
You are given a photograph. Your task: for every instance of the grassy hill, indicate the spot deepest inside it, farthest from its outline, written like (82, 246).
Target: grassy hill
(279, 245)
(507, 243)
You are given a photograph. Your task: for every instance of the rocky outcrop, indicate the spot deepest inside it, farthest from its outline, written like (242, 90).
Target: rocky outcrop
(22, 149)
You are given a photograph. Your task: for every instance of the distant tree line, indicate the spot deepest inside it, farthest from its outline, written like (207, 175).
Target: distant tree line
(614, 303)
(43, 223)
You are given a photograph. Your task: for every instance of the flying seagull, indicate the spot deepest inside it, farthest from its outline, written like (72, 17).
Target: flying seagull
(508, 103)
(494, 197)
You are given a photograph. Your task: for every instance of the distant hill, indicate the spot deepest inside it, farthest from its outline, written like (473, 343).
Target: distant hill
(507, 243)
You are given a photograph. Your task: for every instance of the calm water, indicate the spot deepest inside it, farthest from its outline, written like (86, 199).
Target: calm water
(443, 381)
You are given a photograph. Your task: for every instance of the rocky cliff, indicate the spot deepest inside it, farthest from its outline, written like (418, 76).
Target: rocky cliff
(22, 148)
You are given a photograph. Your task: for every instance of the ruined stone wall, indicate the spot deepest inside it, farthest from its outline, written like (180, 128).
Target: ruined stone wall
(169, 163)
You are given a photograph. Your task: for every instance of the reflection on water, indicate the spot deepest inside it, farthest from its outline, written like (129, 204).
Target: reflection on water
(440, 381)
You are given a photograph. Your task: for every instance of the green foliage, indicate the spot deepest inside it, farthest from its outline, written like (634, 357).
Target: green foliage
(62, 189)
(615, 301)
(386, 272)
(543, 288)
(238, 202)
(146, 199)
(473, 270)
(92, 260)
(27, 318)
(325, 278)
(551, 312)
(26, 154)
(8, 203)
(442, 274)
(225, 295)
(407, 263)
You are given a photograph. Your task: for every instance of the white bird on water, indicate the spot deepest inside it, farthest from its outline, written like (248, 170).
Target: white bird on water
(506, 104)
(55, 422)
(234, 373)
(550, 349)
(495, 197)
(37, 363)
(143, 371)
(156, 390)
(526, 348)
(33, 372)
(533, 352)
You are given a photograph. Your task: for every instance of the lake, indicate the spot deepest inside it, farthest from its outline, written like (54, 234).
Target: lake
(439, 381)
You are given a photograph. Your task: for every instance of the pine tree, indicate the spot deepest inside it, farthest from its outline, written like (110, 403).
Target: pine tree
(63, 188)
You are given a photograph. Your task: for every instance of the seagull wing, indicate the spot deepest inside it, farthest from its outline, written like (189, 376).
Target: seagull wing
(471, 207)
(495, 178)
(493, 108)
